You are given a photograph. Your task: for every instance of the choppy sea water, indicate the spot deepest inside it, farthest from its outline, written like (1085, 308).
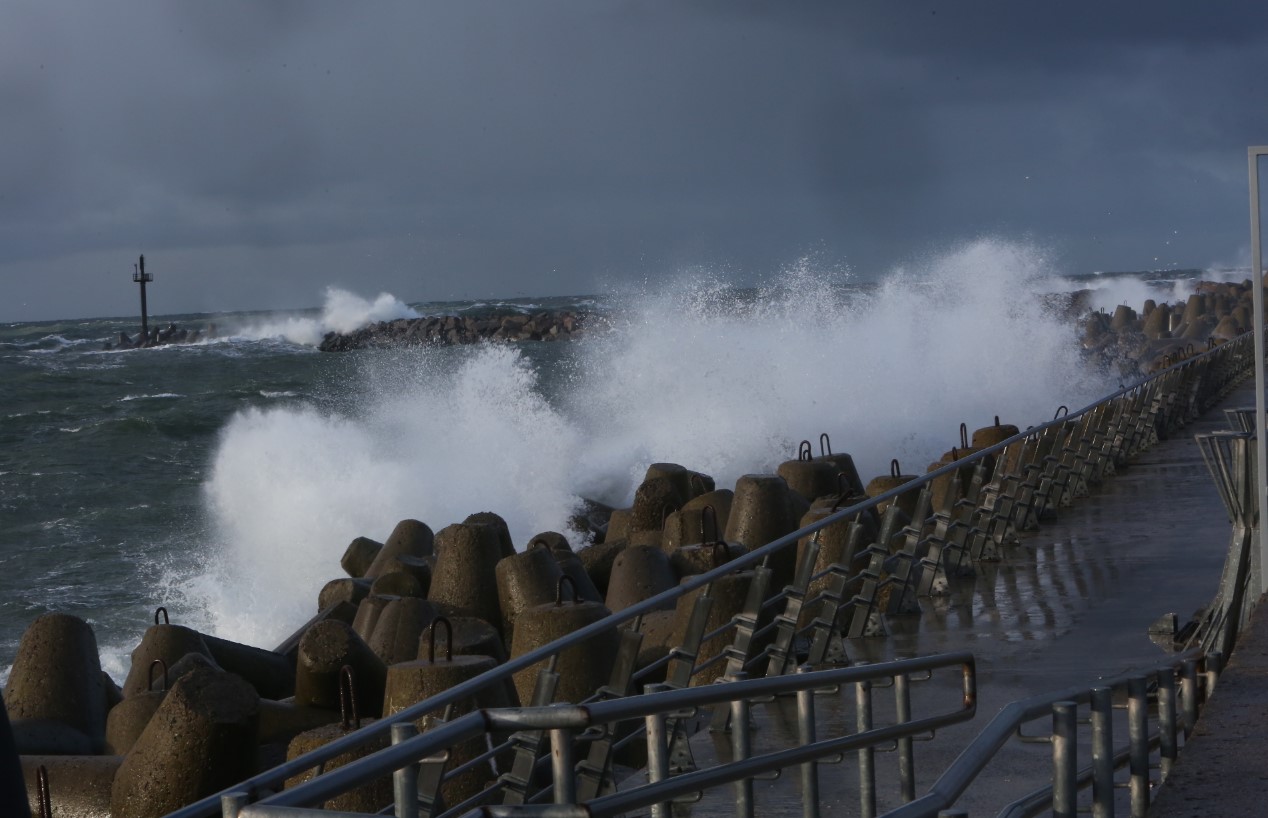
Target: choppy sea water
(224, 479)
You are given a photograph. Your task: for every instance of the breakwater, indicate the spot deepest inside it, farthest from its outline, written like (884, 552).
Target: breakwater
(473, 575)
(1137, 341)
(558, 325)
(1128, 340)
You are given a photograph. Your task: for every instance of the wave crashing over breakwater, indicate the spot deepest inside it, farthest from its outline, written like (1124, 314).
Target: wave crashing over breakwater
(687, 374)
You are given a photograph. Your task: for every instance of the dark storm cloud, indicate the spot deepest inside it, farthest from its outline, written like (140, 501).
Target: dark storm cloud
(442, 149)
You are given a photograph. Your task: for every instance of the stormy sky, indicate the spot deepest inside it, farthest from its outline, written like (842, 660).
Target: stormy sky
(257, 151)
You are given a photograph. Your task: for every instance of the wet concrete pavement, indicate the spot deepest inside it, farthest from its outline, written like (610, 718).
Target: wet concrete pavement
(1070, 604)
(1224, 769)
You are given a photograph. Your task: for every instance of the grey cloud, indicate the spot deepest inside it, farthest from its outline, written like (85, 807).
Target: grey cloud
(489, 144)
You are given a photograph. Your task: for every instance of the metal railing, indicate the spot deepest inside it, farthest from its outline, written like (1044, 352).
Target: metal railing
(656, 709)
(1177, 687)
(1013, 486)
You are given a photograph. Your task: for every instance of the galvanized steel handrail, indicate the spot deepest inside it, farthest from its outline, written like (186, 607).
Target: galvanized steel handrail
(571, 718)
(1008, 722)
(275, 777)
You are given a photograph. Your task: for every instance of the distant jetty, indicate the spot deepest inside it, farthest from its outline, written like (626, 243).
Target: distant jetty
(152, 337)
(448, 330)
(159, 337)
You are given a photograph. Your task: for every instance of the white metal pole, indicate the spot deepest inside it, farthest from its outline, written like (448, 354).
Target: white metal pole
(1261, 420)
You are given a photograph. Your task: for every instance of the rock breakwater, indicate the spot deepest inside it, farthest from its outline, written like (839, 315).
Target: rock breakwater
(447, 330)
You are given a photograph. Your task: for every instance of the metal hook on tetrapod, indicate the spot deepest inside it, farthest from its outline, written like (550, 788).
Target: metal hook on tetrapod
(348, 699)
(431, 639)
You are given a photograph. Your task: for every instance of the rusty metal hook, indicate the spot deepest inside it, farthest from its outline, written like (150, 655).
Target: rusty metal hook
(42, 792)
(894, 469)
(696, 481)
(709, 513)
(964, 435)
(431, 640)
(559, 590)
(804, 452)
(720, 547)
(348, 699)
(150, 680)
(538, 542)
(161, 610)
(997, 420)
(1061, 410)
(1188, 348)
(825, 445)
(843, 487)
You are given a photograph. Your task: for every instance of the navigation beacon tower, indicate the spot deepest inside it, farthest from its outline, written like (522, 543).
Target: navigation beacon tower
(141, 277)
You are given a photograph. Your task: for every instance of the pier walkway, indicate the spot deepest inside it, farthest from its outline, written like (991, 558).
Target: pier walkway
(1224, 768)
(1072, 603)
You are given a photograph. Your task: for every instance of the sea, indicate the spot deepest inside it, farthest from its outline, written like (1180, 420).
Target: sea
(222, 480)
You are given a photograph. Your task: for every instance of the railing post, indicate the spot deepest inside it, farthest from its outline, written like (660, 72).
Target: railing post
(742, 748)
(232, 803)
(867, 758)
(657, 751)
(1065, 785)
(1102, 752)
(906, 759)
(1167, 730)
(1138, 738)
(563, 766)
(405, 780)
(806, 734)
(1189, 695)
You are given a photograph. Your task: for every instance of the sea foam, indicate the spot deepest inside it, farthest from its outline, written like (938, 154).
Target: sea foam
(342, 311)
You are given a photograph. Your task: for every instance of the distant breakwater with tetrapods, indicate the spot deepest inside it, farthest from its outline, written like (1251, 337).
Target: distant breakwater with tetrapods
(127, 750)
(1129, 341)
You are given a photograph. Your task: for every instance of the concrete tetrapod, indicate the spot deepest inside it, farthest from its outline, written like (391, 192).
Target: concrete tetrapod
(583, 667)
(369, 797)
(764, 510)
(359, 556)
(396, 632)
(465, 576)
(411, 682)
(499, 526)
(471, 637)
(807, 476)
(55, 697)
(127, 719)
(524, 580)
(727, 596)
(888, 482)
(839, 544)
(410, 538)
(323, 652)
(202, 739)
(639, 572)
(703, 519)
(166, 643)
(569, 564)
